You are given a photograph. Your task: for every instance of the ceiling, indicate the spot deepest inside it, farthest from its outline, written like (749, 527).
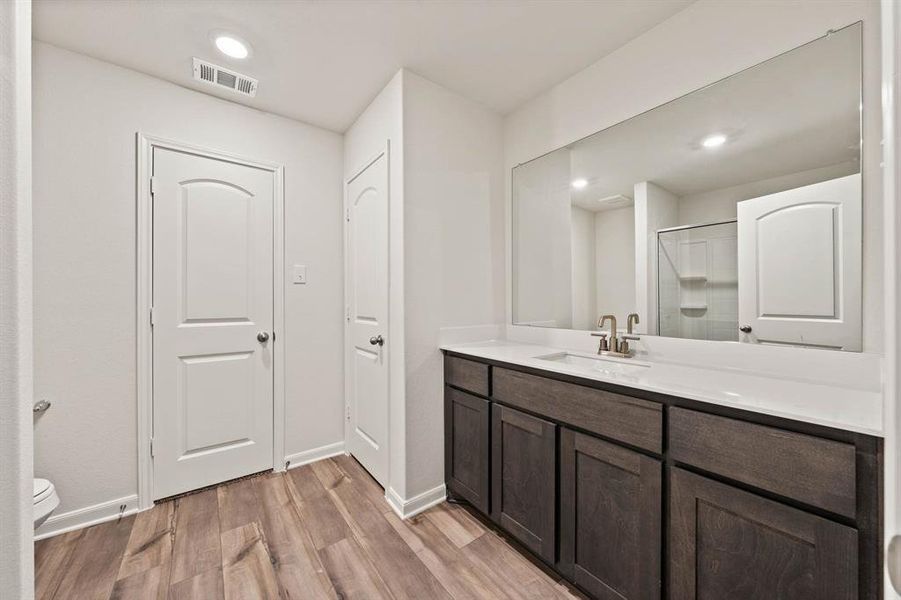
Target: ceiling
(796, 112)
(322, 61)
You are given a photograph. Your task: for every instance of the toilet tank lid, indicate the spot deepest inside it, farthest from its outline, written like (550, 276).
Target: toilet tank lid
(41, 486)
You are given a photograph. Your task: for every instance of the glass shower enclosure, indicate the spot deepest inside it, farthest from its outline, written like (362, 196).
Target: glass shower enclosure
(697, 281)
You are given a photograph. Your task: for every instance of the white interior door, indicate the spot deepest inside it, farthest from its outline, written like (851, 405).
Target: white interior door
(367, 322)
(799, 265)
(212, 321)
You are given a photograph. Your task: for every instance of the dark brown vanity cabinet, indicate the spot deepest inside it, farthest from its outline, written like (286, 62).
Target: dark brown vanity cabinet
(467, 420)
(809, 469)
(610, 518)
(728, 543)
(651, 496)
(523, 478)
(467, 375)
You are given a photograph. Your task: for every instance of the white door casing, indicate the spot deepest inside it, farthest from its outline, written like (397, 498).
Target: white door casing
(799, 265)
(212, 296)
(367, 317)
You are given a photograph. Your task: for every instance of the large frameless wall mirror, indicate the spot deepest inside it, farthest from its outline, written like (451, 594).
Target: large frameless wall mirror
(733, 213)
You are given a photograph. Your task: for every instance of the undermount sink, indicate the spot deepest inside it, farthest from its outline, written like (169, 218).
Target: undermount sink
(597, 364)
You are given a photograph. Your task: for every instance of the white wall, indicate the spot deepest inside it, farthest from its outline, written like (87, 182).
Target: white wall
(453, 270)
(16, 392)
(379, 125)
(584, 275)
(86, 113)
(707, 41)
(615, 263)
(891, 54)
(891, 30)
(541, 242)
(655, 208)
(446, 263)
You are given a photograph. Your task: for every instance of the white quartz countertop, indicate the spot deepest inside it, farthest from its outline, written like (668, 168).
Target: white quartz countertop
(848, 408)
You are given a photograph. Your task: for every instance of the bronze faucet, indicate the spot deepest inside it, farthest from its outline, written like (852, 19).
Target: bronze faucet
(631, 320)
(613, 343)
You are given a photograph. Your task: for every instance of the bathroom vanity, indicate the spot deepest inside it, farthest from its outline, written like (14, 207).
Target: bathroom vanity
(744, 460)
(631, 492)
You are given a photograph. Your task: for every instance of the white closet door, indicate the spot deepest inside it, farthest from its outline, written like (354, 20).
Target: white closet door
(367, 327)
(799, 265)
(212, 329)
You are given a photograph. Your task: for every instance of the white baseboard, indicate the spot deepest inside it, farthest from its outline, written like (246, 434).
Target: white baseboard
(308, 456)
(415, 505)
(87, 516)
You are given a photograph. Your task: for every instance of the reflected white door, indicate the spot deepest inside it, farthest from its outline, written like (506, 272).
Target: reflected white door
(367, 323)
(799, 265)
(212, 310)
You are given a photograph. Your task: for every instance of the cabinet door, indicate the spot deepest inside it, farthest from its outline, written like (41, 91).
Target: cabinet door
(610, 513)
(523, 479)
(467, 421)
(728, 543)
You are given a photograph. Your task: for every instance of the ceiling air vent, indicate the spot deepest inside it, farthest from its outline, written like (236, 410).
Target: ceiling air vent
(225, 78)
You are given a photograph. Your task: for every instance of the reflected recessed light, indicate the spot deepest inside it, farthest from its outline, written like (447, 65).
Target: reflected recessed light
(579, 183)
(231, 46)
(712, 141)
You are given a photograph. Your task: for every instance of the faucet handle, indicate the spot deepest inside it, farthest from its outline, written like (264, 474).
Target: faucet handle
(603, 344)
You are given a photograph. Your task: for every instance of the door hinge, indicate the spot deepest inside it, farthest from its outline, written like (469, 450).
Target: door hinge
(152, 185)
(347, 215)
(151, 447)
(347, 313)
(151, 316)
(347, 412)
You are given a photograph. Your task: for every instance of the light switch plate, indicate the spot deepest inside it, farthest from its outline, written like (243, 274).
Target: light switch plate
(300, 274)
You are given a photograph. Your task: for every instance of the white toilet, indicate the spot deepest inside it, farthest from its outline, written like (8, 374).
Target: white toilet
(45, 501)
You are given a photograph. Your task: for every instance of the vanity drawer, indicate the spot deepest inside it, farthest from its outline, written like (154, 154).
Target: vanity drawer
(629, 420)
(466, 374)
(809, 469)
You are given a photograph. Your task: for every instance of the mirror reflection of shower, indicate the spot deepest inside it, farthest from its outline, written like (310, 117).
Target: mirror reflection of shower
(697, 281)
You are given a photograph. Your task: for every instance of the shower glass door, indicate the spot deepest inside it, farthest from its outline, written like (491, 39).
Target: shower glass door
(697, 281)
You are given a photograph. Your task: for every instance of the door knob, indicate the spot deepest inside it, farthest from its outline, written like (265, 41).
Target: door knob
(263, 337)
(893, 562)
(377, 340)
(745, 329)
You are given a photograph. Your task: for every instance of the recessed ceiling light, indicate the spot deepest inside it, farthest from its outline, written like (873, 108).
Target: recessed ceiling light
(712, 141)
(231, 46)
(579, 183)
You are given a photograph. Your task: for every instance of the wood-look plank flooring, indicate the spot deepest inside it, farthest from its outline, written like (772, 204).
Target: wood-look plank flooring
(319, 531)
